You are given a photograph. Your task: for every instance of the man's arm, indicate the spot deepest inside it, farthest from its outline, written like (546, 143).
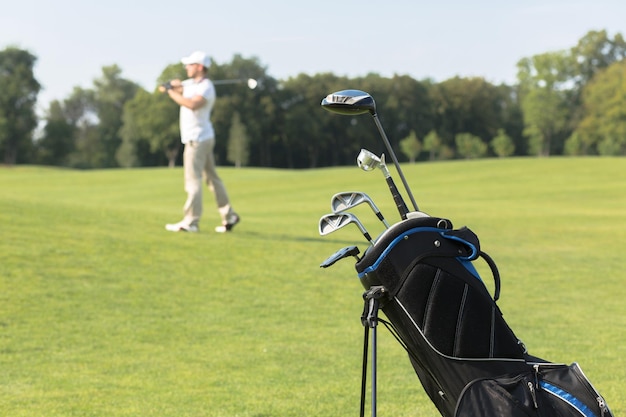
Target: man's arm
(176, 93)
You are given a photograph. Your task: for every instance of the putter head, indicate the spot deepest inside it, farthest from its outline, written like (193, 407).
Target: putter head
(349, 102)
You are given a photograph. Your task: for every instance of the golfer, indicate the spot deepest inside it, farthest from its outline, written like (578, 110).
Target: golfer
(196, 96)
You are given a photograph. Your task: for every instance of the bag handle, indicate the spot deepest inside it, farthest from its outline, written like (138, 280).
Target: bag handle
(494, 271)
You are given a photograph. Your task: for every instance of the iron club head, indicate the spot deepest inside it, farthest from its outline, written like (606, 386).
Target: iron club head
(368, 161)
(348, 199)
(330, 223)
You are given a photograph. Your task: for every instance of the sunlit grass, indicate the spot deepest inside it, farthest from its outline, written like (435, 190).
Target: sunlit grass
(104, 313)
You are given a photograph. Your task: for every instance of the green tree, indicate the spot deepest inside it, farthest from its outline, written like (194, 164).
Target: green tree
(96, 116)
(70, 133)
(57, 142)
(545, 100)
(316, 137)
(470, 146)
(546, 116)
(18, 97)
(238, 150)
(149, 130)
(406, 106)
(446, 152)
(551, 87)
(111, 93)
(468, 105)
(258, 107)
(432, 144)
(79, 112)
(594, 52)
(603, 128)
(411, 146)
(502, 144)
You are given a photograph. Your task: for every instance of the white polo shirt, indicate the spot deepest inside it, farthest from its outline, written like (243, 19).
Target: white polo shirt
(195, 125)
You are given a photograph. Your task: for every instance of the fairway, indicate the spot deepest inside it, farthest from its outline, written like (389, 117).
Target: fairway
(104, 313)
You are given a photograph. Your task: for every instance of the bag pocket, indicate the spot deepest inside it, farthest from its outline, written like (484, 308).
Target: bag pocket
(568, 390)
(506, 396)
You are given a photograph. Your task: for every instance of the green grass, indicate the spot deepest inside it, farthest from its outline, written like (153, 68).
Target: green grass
(104, 313)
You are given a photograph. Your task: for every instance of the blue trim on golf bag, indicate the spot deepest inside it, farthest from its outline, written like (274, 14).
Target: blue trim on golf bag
(465, 260)
(568, 398)
(470, 267)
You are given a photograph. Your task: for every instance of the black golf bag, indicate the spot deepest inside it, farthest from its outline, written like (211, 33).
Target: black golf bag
(420, 273)
(467, 358)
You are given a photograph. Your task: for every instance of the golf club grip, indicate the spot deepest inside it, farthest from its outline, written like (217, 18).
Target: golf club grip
(397, 198)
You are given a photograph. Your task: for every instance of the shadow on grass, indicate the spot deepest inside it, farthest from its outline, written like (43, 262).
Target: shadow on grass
(286, 238)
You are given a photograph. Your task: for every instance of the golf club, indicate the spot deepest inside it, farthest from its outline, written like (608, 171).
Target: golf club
(251, 82)
(354, 102)
(368, 161)
(349, 199)
(332, 222)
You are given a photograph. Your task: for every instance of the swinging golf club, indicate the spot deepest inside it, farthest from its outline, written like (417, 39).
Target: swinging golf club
(330, 223)
(368, 161)
(349, 199)
(354, 102)
(251, 82)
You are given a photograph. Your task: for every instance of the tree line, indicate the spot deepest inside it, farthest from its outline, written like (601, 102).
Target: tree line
(568, 102)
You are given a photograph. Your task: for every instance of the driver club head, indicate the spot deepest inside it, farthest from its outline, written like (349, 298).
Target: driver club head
(349, 102)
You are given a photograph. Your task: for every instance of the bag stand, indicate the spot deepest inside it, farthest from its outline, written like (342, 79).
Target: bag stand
(369, 319)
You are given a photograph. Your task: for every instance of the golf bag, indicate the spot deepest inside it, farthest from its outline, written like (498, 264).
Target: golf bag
(468, 359)
(420, 273)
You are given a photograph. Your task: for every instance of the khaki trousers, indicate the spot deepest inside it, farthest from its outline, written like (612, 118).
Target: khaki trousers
(199, 164)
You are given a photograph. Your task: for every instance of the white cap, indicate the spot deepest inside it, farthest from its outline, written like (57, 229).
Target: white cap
(197, 57)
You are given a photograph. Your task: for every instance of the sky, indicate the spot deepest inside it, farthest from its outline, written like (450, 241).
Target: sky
(73, 40)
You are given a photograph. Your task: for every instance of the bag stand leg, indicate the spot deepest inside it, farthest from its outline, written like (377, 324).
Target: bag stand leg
(369, 319)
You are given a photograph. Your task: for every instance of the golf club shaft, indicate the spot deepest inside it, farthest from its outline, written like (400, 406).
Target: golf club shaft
(368, 237)
(230, 81)
(381, 218)
(363, 230)
(376, 211)
(365, 233)
(397, 198)
(396, 164)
